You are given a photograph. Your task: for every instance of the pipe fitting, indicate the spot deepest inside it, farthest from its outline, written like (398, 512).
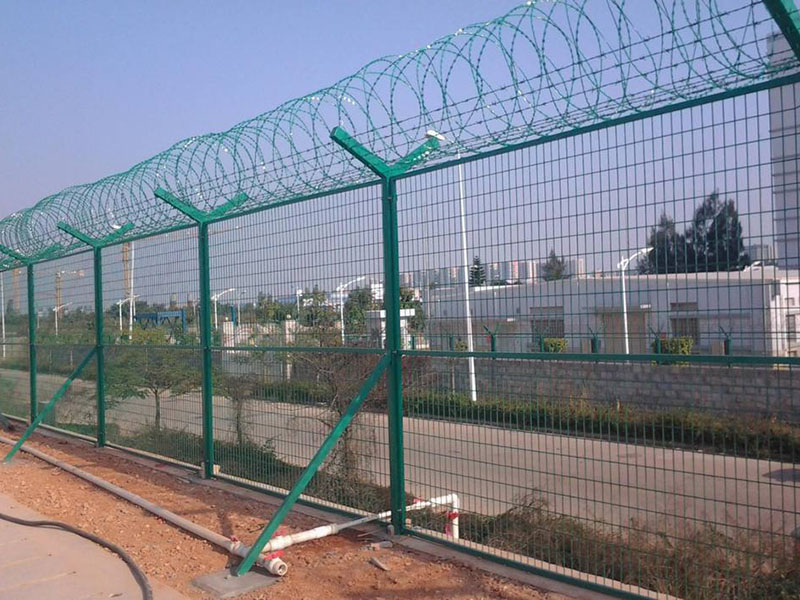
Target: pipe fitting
(277, 567)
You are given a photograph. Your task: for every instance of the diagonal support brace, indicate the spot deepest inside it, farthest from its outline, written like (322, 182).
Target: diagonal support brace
(56, 397)
(313, 467)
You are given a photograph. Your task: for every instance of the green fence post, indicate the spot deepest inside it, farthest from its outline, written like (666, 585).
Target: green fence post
(32, 341)
(394, 375)
(204, 266)
(391, 273)
(97, 254)
(97, 266)
(205, 342)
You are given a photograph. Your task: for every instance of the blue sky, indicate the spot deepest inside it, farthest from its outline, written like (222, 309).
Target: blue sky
(90, 88)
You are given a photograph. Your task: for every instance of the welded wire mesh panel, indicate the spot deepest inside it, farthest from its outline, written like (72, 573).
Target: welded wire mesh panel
(153, 372)
(64, 305)
(689, 211)
(637, 287)
(153, 399)
(152, 283)
(64, 301)
(308, 274)
(273, 410)
(283, 282)
(76, 410)
(687, 502)
(14, 374)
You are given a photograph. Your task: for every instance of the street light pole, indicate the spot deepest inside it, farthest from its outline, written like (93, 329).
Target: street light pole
(239, 307)
(473, 387)
(214, 299)
(623, 267)
(57, 308)
(340, 291)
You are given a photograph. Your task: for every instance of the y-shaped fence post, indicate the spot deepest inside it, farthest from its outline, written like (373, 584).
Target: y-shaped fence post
(391, 268)
(203, 219)
(97, 267)
(28, 262)
(391, 360)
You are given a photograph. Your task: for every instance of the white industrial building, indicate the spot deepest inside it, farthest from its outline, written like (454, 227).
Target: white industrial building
(758, 309)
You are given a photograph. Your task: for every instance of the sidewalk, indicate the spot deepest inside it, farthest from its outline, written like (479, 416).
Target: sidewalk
(38, 563)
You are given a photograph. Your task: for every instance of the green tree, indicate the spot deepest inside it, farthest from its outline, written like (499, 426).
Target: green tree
(669, 249)
(713, 242)
(149, 366)
(359, 302)
(477, 272)
(408, 299)
(269, 310)
(316, 312)
(239, 384)
(554, 268)
(724, 241)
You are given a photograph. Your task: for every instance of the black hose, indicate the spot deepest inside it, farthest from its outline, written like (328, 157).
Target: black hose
(138, 574)
(6, 424)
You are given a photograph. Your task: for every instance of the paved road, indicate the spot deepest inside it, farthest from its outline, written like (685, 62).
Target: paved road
(492, 468)
(47, 564)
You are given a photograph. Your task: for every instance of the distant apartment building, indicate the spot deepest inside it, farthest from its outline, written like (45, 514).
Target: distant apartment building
(761, 253)
(510, 271)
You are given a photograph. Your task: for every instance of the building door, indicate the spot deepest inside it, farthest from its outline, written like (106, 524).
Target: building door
(614, 331)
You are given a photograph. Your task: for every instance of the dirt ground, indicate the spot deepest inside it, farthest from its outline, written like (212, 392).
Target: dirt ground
(332, 568)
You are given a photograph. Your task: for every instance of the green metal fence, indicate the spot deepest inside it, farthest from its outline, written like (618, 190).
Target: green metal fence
(548, 264)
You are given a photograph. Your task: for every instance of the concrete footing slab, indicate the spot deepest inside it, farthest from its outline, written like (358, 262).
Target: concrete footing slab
(41, 564)
(225, 584)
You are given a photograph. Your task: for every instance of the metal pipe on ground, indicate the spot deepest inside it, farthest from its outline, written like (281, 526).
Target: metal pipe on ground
(274, 565)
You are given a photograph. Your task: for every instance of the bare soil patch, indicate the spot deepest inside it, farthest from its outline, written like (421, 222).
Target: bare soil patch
(332, 568)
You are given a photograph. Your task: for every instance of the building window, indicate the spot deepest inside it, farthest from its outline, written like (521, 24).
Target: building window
(686, 325)
(683, 306)
(791, 327)
(547, 322)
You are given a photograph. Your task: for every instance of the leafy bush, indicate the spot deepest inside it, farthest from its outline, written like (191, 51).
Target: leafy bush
(554, 345)
(738, 436)
(676, 345)
(259, 463)
(698, 564)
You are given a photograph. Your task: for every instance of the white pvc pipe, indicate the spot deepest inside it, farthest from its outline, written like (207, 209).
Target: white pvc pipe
(284, 541)
(272, 564)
